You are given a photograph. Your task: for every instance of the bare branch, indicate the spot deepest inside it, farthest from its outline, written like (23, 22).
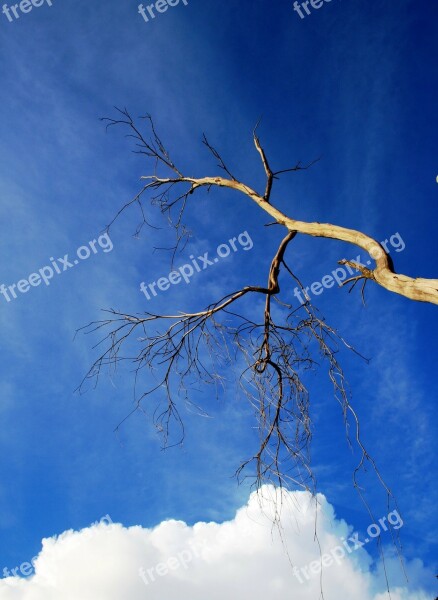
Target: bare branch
(268, 171)
(216, 154)
(181, 351)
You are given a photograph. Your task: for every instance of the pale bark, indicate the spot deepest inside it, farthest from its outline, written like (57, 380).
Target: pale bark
(419, 289)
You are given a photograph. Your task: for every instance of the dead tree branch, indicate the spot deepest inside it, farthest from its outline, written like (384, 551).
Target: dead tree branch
(185, 349)
(419, 289)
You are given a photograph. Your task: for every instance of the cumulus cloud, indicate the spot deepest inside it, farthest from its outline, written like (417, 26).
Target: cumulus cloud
(247, 557)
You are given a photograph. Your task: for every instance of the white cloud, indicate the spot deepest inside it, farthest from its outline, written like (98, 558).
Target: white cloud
(244, 557)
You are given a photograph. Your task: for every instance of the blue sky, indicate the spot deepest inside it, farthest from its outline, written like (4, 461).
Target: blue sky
(354, 83)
